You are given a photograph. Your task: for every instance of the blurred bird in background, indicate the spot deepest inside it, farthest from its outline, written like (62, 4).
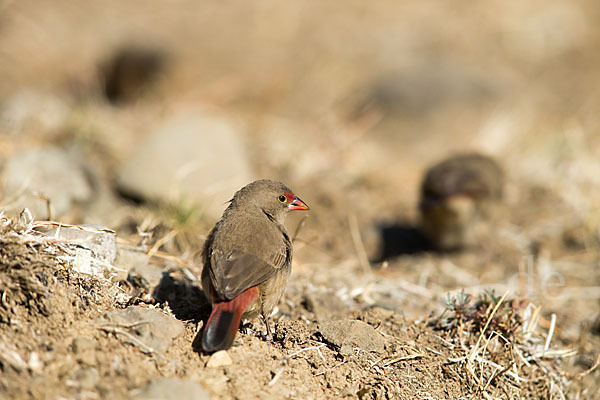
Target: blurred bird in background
(459, 199)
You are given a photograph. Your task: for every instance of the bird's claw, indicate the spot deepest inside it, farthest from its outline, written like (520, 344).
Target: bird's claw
(269, 335)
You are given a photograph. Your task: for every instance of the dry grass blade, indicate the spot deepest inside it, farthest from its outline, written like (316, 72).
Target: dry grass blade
(552, 354)
(476, 349)
(162, 241)
(330, 369)
(126, 326)
(299, 227)
(39, 224)
(169, 257)
(358, 244)
(406, 358)
(492, 364)
(550, 333)
(496, 374)
(143, 346)
(285, 360)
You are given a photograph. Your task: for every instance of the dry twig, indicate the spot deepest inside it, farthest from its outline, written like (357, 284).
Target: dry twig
(289, 357)
(358, 244)
(116, 329)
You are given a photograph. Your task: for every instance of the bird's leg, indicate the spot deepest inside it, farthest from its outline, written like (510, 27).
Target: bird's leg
(269, 334)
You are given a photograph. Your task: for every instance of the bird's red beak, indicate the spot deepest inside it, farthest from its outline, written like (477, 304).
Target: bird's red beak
(297, 204)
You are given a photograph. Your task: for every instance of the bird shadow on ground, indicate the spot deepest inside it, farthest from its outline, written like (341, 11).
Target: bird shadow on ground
(401, 239)
(186, 300)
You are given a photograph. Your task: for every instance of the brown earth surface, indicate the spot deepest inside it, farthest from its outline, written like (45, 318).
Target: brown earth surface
(55, 343)
(348, 104)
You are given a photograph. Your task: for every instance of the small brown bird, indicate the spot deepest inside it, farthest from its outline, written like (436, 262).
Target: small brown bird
(247, 259)
(459, 197)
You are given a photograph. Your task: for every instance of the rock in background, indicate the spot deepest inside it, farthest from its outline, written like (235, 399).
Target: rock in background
(191, 157)
(46, 180)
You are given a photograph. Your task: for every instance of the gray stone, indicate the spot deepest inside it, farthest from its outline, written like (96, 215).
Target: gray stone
(31, 109)
(128, 257)
(101, 240)
(50, 173)
(422, 88)
(351, 334)
(149, 329)
(192, 157)
(325, 306)
(95, 247)
(171, 389)
(138, 267)
(146, 275)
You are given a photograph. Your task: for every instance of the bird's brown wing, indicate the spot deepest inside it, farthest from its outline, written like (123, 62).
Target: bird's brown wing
(236, 271)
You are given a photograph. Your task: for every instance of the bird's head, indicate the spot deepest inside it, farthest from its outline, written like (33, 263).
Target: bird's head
(272, 198)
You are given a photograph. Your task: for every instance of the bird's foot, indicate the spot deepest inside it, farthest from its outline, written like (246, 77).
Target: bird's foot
(269, 338)
(269, 335)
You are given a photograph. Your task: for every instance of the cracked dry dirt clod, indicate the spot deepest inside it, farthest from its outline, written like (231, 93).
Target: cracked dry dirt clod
(149, 329)
(350, 334)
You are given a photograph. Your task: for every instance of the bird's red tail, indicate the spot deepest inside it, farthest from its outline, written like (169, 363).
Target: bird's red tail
(224, 321)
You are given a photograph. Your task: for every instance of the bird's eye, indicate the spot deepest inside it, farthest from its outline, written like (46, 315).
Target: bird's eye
(282, 198)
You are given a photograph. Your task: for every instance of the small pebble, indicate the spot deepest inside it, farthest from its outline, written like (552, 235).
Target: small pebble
(219, 359)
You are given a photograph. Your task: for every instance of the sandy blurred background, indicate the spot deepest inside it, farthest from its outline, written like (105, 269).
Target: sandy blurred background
(109, 105)
(146, 116)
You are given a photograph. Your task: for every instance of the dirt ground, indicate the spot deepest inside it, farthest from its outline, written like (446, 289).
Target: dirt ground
(347, 104)
(55, 343)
